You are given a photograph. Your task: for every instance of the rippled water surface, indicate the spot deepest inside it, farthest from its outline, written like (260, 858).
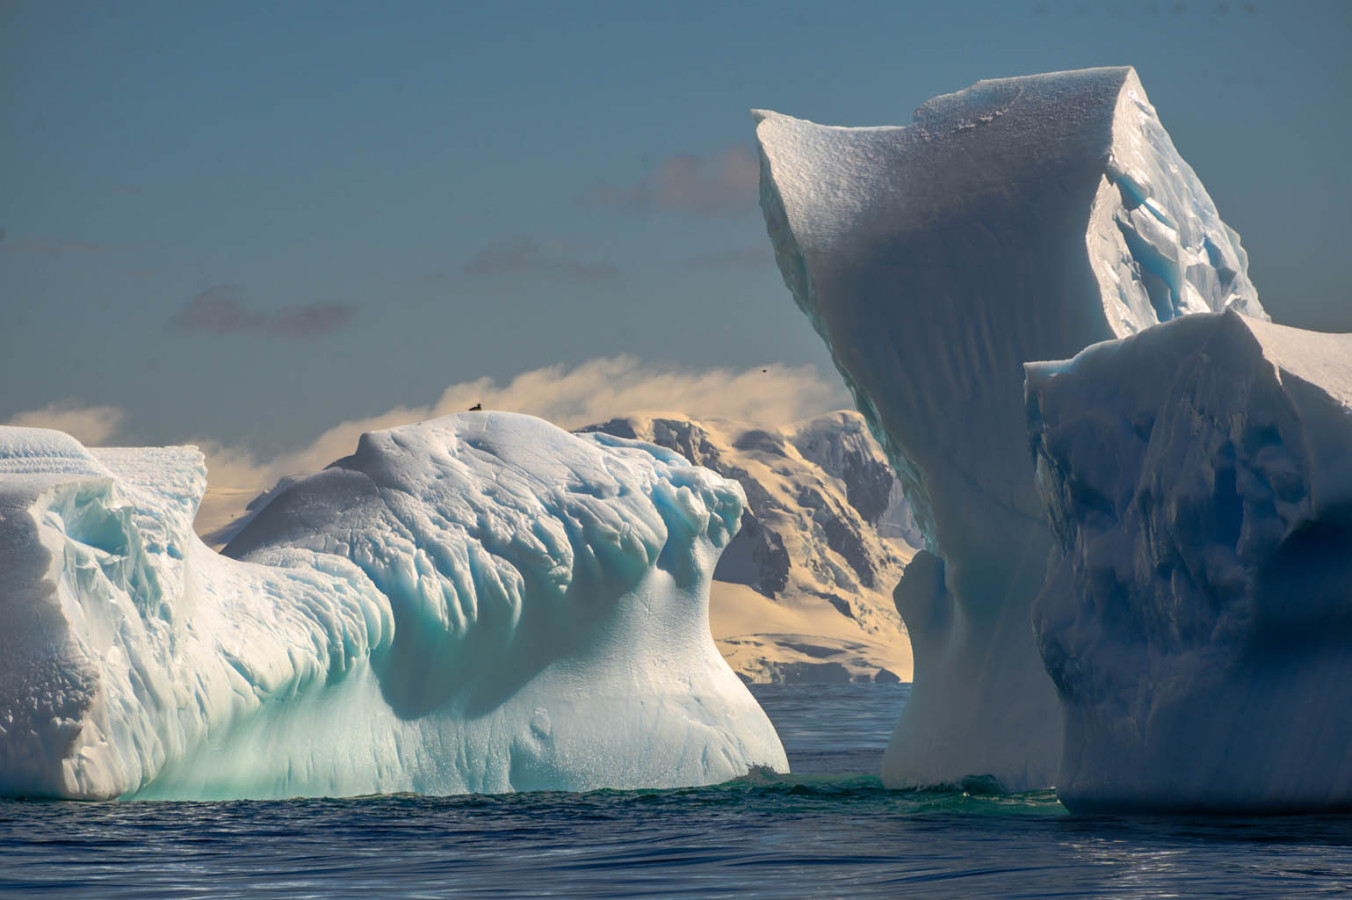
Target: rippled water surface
(824, 831)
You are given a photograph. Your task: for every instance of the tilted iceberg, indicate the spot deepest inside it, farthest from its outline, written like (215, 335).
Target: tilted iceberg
(1198, 626)
(1019, 220)
(477, 603)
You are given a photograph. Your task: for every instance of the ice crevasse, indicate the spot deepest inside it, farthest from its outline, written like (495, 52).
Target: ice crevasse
(477, 603)
(1022, 219)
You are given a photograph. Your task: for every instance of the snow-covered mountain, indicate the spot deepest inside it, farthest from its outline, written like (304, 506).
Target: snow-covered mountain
(804, 591)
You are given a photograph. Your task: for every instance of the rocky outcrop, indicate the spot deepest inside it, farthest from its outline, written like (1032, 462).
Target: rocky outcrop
(824, 538)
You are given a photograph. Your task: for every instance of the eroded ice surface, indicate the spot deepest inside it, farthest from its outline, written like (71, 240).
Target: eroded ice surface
(1019, 220)
(477, 603)
(1199, 624)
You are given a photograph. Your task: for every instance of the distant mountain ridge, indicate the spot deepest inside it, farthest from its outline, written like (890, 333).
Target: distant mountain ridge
(804, 592)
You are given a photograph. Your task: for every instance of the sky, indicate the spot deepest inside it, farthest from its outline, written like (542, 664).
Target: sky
(250, 224)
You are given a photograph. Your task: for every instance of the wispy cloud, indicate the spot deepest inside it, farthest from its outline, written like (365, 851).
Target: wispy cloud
(221, 310)
(53, 246)
(312, 319)
(726, 183)
(527, 257)
(594, 391)
(571, 397)
(91, 425)
(589, 393)
(746, 258)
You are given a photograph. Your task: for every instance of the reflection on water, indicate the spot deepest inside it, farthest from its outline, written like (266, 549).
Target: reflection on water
(824, 831)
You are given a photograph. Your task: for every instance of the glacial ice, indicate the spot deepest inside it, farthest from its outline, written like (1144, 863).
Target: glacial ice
(1021, 219)
(1198, 619)
(477, 603)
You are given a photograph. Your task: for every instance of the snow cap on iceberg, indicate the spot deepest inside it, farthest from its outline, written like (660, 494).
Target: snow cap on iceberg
(1021, 219)
(1198, 477)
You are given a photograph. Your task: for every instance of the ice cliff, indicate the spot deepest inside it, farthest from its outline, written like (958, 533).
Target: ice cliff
(1198, 622)
(804, 591)
(477, 603)
(1021, 219)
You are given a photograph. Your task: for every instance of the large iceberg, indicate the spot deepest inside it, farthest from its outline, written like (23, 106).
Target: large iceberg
(1021, 219)
(477, 603)
(1198, 624)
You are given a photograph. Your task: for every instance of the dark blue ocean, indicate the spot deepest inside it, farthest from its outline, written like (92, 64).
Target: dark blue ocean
(829, 830)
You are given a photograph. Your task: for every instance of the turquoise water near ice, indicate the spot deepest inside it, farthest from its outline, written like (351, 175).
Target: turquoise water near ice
(828, 830)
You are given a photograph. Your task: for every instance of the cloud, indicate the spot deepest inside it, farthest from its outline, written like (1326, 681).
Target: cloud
(747, 258)
(221, 310)
(91, 425)
(592, 392)
(312, 319)
(53, 247)
(218, 309)
(727, 183)
(525, 256)
(570, 397)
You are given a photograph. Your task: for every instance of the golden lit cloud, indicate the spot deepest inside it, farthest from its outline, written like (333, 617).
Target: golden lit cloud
(589, 393)
(90, 425)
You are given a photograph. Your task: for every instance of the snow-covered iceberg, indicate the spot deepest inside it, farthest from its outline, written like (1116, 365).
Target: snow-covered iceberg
(1198, 478)
(1019, 220)
(477, 603)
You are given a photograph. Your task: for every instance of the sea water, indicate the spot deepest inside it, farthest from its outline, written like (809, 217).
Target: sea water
(828, 830)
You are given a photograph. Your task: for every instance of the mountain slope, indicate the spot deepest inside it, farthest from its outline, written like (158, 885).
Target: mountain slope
(804, 591)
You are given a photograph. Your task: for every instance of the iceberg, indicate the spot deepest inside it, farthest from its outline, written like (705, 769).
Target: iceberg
(1198, 618)
(482, 602)
(1022, 219)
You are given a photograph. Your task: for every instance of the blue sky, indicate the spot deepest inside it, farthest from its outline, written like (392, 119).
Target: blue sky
(248, 222)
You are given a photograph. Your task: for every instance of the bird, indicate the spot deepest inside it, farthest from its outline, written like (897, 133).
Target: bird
(476, 407)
